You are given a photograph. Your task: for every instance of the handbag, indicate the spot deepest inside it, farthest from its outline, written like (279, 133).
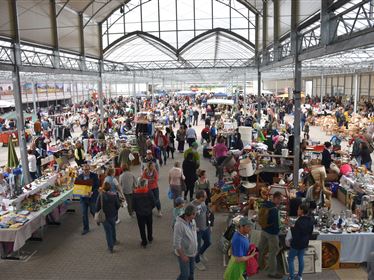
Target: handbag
(100, 215)
(170, 194)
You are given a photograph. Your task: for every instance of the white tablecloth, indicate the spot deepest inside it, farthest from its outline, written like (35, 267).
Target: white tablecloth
(354, 247)
(37, 219)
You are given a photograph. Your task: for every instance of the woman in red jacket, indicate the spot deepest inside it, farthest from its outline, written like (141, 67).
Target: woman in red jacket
(150, 174)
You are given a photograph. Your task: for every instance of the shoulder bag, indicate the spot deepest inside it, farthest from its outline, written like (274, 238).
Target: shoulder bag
(100, 215)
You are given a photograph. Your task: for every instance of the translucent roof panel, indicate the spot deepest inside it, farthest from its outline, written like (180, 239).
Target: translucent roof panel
(218, 46)
(177, 22)
(139, 48)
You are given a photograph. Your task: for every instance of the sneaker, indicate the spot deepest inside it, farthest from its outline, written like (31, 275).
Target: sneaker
(150, 240)
(200, 266)
(275, 276)
(84, 232)
(144, 245)
(116, 242)
(159, 213)
(203, 258)
(111, 250)
(118, 221)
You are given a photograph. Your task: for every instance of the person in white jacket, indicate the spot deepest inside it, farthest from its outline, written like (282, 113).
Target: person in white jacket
(185, 242)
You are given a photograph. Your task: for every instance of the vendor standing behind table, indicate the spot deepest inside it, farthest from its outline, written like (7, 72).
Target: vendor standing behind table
(31, 158)
(319, 195)
(88, 201)
(269, 221)
(240, 247)
(79, 154)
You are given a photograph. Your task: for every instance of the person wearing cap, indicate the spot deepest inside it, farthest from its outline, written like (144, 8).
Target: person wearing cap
(185, 242)
(193, 150)
(150, 158)
(240, 255)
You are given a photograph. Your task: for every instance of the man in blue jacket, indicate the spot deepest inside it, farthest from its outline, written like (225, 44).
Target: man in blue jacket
(269, 241)
(88, 201)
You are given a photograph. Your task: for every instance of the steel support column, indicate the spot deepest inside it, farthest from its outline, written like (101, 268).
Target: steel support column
(17, 93)
(276, 23)
(152, 93)
(356, 94)
(33, 98)
(56, 51)
(100, 89)
(295, 45)
(245, 98)
(134, 90)
(322, 91)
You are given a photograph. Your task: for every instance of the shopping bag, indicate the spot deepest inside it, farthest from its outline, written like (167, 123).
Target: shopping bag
(82, 190)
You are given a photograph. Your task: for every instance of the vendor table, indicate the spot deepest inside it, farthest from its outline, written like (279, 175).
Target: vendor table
(355, 247)
(36, 220)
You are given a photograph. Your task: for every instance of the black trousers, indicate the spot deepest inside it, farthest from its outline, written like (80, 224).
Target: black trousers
(144, 221)
(189, 189)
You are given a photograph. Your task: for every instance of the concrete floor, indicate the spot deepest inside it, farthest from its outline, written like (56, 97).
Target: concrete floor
(65, 254)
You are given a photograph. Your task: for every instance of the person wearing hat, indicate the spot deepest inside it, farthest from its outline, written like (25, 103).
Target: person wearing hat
(150, 158)
(193, 150)
(240, 246)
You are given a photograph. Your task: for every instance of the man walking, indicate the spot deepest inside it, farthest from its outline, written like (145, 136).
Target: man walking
(269, 221)
(185, 242)
(203, 228)
(88, 178)
(191, 135)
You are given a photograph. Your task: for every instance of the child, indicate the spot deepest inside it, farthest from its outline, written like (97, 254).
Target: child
(178, 209)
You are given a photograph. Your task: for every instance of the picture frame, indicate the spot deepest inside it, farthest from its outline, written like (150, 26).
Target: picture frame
(309, 263)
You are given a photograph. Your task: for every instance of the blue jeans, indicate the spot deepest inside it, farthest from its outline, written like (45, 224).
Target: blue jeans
(203, 235)
(156, 193)
(110, 231)
(87, 202)
(300, 256)
(186, 268)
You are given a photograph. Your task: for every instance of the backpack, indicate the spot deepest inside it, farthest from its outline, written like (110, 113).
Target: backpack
(263, 217)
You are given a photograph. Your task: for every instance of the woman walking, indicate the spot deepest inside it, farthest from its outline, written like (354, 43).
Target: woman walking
(108, 201)
(202, 183)
(114, 187)
(143, 203)
(151, 175)
(189, 172)
(170, 137)
(176, 180)
(181, 138)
